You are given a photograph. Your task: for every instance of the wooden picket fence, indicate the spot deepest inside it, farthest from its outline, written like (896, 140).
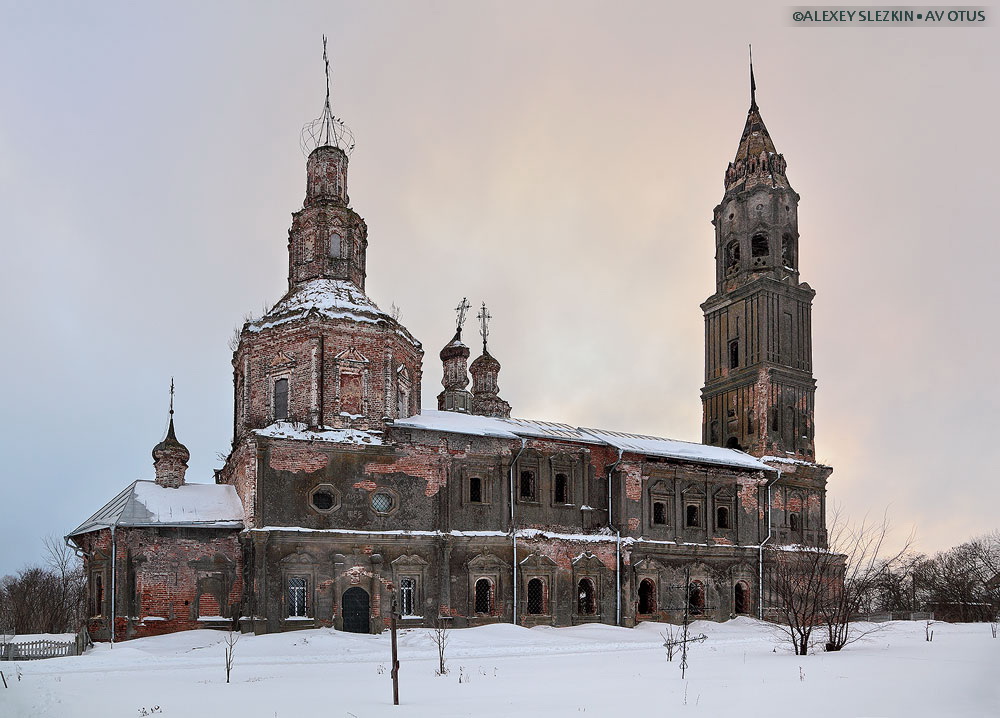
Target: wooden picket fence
(32, 650)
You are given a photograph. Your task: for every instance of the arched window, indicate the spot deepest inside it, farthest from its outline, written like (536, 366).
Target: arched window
(586, 601)
(696, 598)
(484, 596)
(647, 597)
(734, 354)
(336, 242)
(692, 515)
(733, 443)
(787, 251)
(759, 246)
(475, 490)
(280, 399)
(713, 432)
(722, 517)
(793, 521)
(741, 598)
(562, 489)
(536, 597)
(659, 513)
(407, 591)
(733, 257)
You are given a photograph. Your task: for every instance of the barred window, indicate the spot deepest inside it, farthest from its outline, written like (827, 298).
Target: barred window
(527, 485)
(659, 513)
(407, 591)
(297, 603)
(587, 603)
(722, 517)
(382, 502)
(536, 597)
(484, 596)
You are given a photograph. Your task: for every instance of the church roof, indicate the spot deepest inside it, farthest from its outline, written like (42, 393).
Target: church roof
(331, 299)
(144, 503)
(460, 423)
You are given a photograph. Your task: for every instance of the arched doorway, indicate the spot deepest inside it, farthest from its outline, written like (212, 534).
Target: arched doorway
(356, 608)
(741, 598)
(647, 596)
(696, 598)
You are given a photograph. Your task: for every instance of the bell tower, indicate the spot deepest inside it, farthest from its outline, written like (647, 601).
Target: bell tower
(327, 239)
(759, 388)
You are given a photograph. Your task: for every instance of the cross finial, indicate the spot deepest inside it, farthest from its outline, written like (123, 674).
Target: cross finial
(753, 84)
(171, 396)
(326, 65)
(462, 309)
(484, 324)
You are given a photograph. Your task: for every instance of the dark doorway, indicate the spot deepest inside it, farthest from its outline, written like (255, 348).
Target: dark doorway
(741, 598)
(357, 610)
(647, 597)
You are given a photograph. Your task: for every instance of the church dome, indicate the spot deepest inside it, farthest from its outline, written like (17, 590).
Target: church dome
(170, 447)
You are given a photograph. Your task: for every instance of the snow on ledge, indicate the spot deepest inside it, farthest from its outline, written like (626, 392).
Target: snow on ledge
(299, 431)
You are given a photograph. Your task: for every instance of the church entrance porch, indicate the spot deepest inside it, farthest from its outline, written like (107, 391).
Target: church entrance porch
(356, 607)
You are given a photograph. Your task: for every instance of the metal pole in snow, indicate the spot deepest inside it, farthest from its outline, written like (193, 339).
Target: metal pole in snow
(395, 654)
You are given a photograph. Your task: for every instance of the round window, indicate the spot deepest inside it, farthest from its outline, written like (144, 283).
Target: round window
(323, 500)
(382, 502)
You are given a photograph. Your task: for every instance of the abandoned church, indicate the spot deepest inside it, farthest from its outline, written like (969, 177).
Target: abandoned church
(340, 494)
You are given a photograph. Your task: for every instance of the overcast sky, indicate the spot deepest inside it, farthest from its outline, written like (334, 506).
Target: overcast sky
(559, 160)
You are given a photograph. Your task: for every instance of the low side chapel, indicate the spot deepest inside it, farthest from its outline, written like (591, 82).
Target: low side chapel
(339, 491)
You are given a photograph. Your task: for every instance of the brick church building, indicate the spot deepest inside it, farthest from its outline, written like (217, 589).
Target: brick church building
(340, 491)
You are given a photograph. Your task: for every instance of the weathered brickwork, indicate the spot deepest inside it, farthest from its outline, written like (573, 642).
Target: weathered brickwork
(162, 580)
(348, 505)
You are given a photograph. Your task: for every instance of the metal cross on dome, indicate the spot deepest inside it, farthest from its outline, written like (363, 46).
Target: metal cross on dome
(462, 309)
(171, 396)
(484, 317)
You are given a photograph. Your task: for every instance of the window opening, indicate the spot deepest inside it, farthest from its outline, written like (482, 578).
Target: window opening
(528, 485)
(586, 604)
(536, 597)
(732, 257)
(484, 596)
(759, 246)
(335, 242)
(475, 490)
(734, 354)
(691, 515)
(297, 597)
(407, 589)
(696, 598)
(793, 521)
(722, 517)
(98, 608)
(382, 502)
(647, 596)
(562, 489)
(323, 500)
(280, 399)
(659, 513)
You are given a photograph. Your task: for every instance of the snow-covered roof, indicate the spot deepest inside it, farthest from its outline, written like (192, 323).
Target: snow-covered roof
(146, 503)
(330, 298)
(460, 423)
(297, 430)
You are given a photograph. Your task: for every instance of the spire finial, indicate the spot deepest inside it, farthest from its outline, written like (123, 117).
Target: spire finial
(753, 84)
(171, 396)
(462, 309)
(327, 129)
(484, 317)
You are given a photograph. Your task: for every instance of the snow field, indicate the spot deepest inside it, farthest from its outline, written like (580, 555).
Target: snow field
(742, 669)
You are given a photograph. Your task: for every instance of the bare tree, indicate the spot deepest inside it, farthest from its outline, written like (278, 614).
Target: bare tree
(231, 639)
(829, 587)
(440, 636)
(864, 566)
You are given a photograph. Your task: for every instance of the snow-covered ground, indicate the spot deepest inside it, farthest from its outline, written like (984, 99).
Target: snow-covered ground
(503, 670)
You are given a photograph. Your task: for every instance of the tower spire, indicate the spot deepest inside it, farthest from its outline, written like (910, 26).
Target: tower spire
(170, 456)
(327, 130)
(753, 84)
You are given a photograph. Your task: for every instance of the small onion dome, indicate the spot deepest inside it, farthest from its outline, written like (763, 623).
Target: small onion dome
(170, 448)
(485, 363)
(455, 348)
